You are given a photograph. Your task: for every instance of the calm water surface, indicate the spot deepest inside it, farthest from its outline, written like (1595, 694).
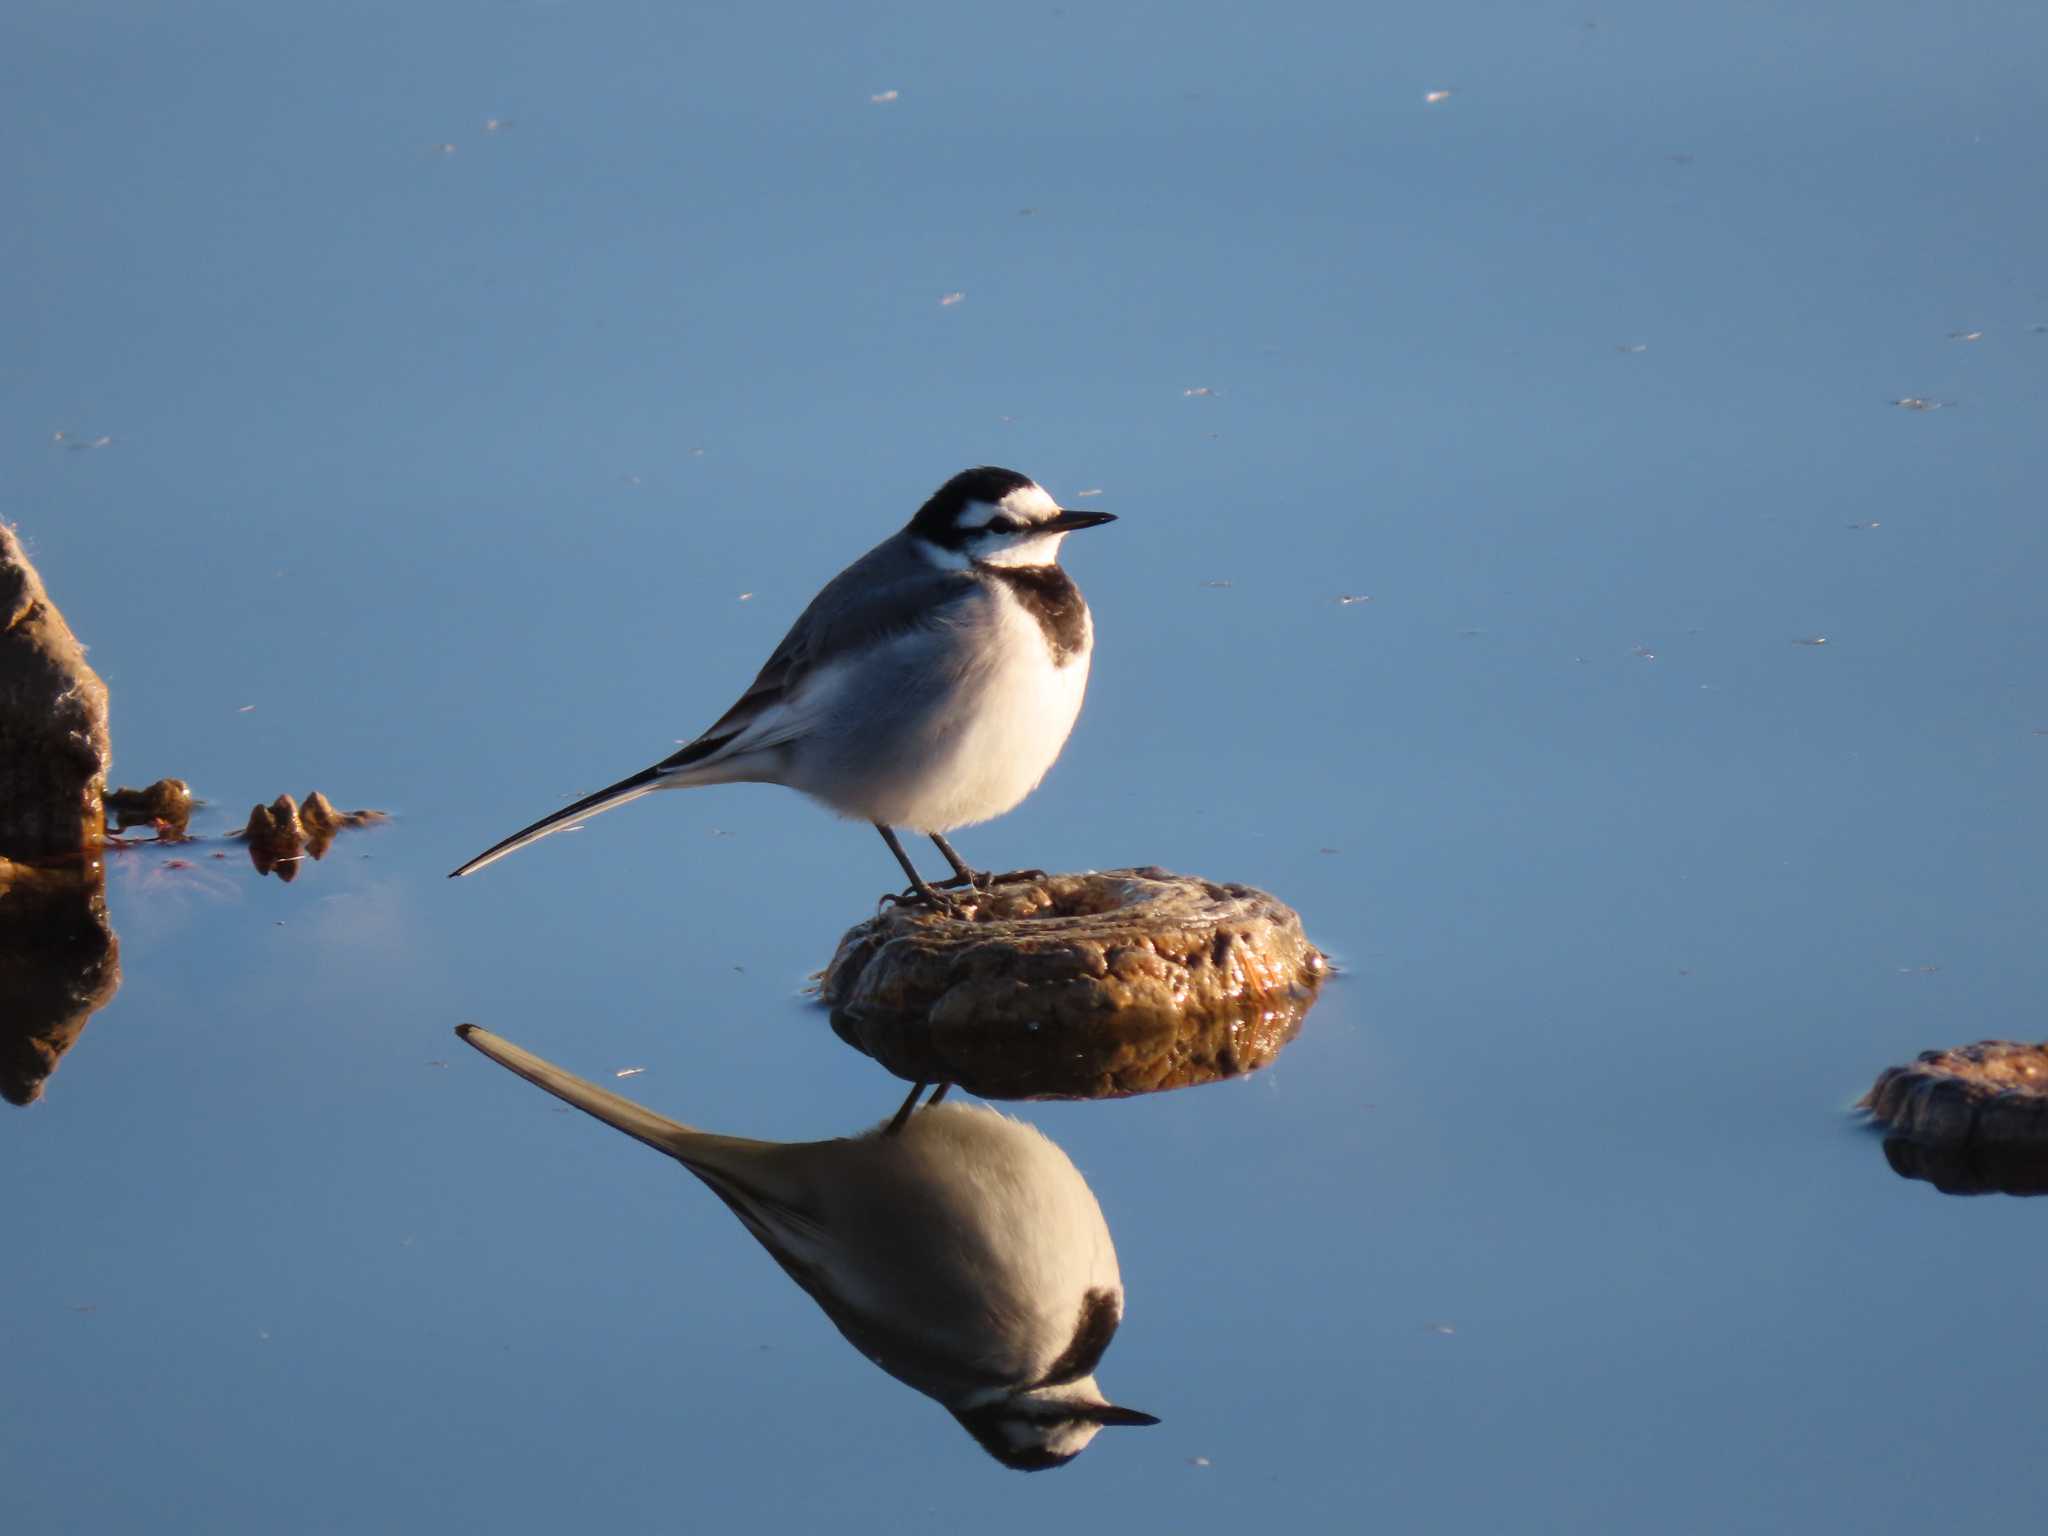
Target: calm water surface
(455, 470)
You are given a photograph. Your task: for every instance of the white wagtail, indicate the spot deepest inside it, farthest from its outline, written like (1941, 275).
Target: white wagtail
(930, 685)
(962, 1252)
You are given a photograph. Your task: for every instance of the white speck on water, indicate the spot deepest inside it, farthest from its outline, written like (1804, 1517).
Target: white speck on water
(1632, 346)
(1965, 335)
(1812, 640)
(1093, 490)
(1432, 98)
(1199, 392)
(1921, 403)
(1352, 599)
(880, 98)
(1216, 586)
(948, 300)
(629, 1072)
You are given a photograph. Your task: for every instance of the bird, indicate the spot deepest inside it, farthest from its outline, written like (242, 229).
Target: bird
(929, 685)
(958, 1249)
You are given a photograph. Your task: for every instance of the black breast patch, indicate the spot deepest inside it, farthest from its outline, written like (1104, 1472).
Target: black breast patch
(1049, 596)
(1101, 1311)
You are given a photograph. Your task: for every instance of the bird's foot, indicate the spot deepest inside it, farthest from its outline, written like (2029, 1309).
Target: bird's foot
(922, 895)
(988, 882)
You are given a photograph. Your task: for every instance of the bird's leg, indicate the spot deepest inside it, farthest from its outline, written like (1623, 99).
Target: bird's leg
(938, 901)
(902, 1115)
(980, 879)
(938, 1093)
(962, 874)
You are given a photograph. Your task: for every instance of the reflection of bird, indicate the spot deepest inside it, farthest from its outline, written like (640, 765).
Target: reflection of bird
(930, 685)
(962, 1253)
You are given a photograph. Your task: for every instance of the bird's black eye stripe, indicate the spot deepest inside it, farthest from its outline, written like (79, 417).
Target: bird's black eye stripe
(1004, 524)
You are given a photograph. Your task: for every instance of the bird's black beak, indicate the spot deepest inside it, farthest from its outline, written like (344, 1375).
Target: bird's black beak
(1109, 1413)
(1068, 522)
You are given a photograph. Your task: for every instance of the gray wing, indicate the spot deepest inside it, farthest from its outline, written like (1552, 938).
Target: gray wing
(891, 590)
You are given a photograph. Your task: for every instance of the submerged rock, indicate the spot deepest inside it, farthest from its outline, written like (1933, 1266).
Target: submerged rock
(1971, 1120)
(53, 722)
(59, 964)
(1082, 986)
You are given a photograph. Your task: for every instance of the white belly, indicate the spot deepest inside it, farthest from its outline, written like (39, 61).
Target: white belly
(981, 721)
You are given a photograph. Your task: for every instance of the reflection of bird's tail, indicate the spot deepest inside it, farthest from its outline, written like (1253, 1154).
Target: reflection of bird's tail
(645, 782)
(702, 1153)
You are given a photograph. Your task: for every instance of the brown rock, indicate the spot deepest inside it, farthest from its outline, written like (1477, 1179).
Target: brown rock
(1084, 986)
(1971, 1120)
(53, 722)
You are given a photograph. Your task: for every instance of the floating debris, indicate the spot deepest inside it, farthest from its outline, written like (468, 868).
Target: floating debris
(1432, 98)
(1632, 346)
(1921, 403)
(882, 97)
(1642, 653)
(1216, 585)
(1349, 599)
(630, 1071)
(165, 805)
(444, 149)
(73, 443)
(1873, 523)
(1812, 640)
(282, 833)
(948, 300)
(1199, 392)
(1965, 335)
(1093, 490)
(497, 124)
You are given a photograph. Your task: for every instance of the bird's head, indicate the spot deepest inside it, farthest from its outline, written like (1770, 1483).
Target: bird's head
(991, 516)
(1034, 1431)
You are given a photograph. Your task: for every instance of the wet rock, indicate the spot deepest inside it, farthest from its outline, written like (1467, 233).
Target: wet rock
(1081, 986)
(166, 805)
(1971, 1120)
(53, 722)
(59, 964)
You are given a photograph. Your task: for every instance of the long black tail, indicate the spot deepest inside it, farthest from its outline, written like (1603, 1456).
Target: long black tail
(645, 782)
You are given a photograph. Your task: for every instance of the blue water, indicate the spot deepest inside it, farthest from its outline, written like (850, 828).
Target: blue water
(458, 482)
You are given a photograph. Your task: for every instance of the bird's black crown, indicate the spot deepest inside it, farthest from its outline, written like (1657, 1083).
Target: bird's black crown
(938, 519)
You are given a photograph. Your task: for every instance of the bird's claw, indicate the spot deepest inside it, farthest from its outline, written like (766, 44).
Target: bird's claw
(930, 897)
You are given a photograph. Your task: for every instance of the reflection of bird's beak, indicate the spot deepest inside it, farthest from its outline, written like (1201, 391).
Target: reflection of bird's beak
(660, 1133)
(1109, 1413)
(1068, 522)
